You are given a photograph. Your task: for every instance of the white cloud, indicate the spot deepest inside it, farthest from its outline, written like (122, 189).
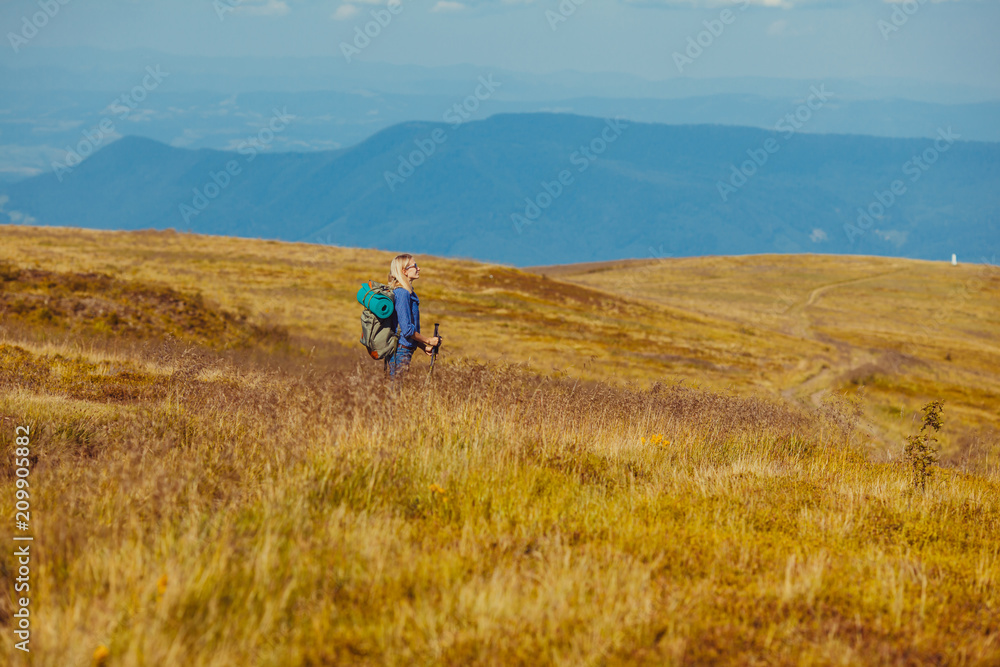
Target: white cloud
(348, 10)
(345, 11)
(784, 28)
(262, 7)
(447, 6)
(782, 4)
(818, 236)
(459, 5)
(894, 236)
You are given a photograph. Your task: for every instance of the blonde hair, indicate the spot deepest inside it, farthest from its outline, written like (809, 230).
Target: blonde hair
(397, 273)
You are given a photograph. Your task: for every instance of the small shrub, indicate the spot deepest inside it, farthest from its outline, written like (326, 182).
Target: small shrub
(921, 449)
(8, 271)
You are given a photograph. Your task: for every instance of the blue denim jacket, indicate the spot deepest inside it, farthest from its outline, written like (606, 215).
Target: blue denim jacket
(407, 313)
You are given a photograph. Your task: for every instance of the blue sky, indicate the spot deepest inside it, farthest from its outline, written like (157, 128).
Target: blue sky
(946, 41)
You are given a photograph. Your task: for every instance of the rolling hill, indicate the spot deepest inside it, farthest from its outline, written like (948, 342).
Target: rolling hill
(797, 328)
(669, 461)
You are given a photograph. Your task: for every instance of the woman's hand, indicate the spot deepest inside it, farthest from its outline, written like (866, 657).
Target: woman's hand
(433, 341)
(429, 350)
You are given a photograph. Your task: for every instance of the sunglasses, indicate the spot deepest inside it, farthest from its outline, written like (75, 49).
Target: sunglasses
(414, 266)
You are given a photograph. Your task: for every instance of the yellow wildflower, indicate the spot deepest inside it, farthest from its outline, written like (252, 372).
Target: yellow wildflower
(656, 439)
(101, 654)
(161, 585)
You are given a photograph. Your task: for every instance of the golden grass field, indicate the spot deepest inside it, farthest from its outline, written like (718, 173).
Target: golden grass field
(676, 461)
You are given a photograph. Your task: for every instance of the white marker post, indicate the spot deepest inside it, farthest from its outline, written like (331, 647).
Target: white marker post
(954, 259)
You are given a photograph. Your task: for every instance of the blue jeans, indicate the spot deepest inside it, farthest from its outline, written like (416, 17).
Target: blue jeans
(400, 361)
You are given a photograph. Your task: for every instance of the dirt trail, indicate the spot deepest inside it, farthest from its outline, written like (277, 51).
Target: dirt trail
(817, 384)
(802, 325)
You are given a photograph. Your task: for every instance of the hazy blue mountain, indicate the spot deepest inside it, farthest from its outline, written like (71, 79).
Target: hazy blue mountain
(654, 191)
(37, 128)
(53, 97)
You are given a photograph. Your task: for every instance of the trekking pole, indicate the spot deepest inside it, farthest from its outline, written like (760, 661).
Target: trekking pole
(435, 353)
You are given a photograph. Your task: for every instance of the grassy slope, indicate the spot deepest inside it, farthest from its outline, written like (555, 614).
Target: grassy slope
(797, 325)
(242, 496)
(908, 331)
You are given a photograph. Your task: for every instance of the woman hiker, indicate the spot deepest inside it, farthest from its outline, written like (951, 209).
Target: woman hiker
(402, 272)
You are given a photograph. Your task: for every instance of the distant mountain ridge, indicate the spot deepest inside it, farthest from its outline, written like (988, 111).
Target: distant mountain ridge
(53, 96)
(514, 189)
(328, 120)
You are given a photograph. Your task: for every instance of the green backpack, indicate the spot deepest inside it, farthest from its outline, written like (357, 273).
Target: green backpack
(378, 334)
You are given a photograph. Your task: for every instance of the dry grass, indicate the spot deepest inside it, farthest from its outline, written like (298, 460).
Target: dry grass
(797, 326)
(276, 502)
(908, 332)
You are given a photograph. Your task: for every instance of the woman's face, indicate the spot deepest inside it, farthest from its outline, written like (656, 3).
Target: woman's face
(412, 271)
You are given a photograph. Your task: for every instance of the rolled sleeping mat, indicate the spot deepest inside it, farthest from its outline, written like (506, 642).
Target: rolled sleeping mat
(378, 303)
